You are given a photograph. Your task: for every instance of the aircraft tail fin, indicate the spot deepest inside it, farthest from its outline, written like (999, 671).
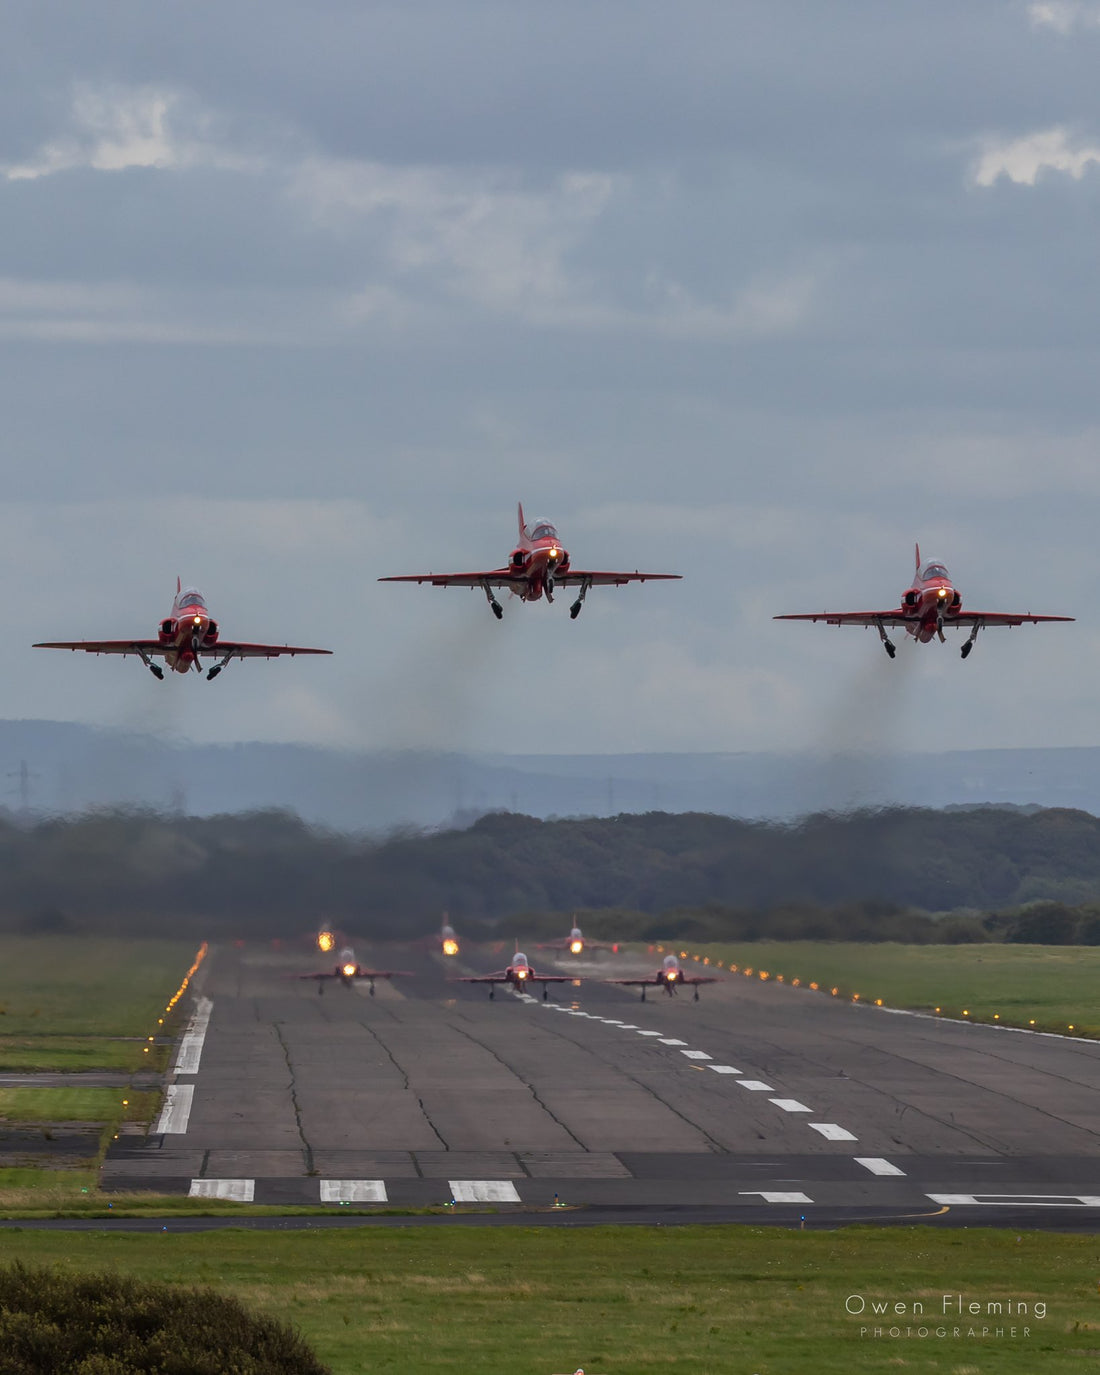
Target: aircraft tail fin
(917, 548)
(521, 522)
(179, 585)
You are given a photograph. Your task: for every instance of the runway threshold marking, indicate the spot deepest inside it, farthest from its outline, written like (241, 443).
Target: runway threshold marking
(771, 1196)
(756, 1086)
(177, 1109)
(483, 1191)
(877, 1165)
(354, 1191)
(831, 1132)
(790, 1104)
(1020, 1200)
(191, 1043)
(239, 1190)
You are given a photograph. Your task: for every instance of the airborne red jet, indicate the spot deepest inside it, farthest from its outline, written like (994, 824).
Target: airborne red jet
(181, 637)
(931, 605)
(539, 564)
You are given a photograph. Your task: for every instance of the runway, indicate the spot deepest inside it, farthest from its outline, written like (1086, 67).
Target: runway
(759, 1100)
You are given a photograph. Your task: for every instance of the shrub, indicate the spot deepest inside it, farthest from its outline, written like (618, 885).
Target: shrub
(102, 1324)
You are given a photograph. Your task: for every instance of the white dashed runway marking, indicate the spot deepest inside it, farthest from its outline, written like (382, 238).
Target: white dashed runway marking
(756, 1086)
(483, 1191)
(647, 1033)
(672, 1041)
(831, 1132)
(177, 1109)
(190, 1051)
(769, 1196)
(353, 1191)
(239, 1190)
(877, 1165)
(695, 1054)
(724, 1069)
(1020, 1200)
(790, 1104)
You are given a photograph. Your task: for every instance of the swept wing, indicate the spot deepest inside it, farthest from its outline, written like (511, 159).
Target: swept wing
(901, 617)
(154, 648)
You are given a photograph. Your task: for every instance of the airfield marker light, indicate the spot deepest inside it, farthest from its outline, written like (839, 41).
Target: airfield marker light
(683, 954)
(855, 997)
(706, 959)
(814, 987)
(834, 991)
(733, 969)
(126, 1102)
(878, 1002)
(996, 1016)
(1032, 1022)
(765, 975)
(747, 972)
(779, 978)
(145, 1050)
(1071, 1026)
(796, 983)
(695, 958)
(965, 1012)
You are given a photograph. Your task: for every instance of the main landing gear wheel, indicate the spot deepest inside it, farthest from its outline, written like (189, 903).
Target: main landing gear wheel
(498, 610)
(967, 648)
(492, 993)
(372, 990)
(891, 649)
(545, 993)
(157, 672)
(696, 995)
(574, 611)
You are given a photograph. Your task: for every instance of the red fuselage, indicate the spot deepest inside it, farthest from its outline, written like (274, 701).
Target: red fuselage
(538, 557)
(934, 599)
(188, 630)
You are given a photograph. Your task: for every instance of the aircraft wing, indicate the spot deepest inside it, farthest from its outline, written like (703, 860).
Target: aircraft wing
(154, 649)
(499, 977)
(362, 974)
(899, 616)
(635, 983)
(494, 577)
(147, 647)
(574, 577)
(991, 618)
(243, 651)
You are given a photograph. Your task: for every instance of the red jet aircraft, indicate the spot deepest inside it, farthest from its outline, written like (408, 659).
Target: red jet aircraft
(669, 977)
(188, 632)
(931, 605)
(538, 565)
(348, 969)
(519, 974)
(577, 943)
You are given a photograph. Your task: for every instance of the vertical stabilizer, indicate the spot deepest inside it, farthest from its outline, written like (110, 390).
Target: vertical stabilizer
(917, 548)
(522, 529)
(179, 585)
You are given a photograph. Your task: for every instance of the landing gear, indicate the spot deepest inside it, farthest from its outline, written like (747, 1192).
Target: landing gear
(548, 588)
(891, 649)
(492, 993)
(154, 669)
(575, 609)
(213, 672)
(696, 995)
(320, 989)
(643, 994)
(970, 643)
(545, 993)
(372, 988)
(493, 603)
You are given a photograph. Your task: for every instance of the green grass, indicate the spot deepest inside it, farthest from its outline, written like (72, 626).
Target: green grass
(627, 1301)
(84, 1002)
(75, 1105)
(1050, 986)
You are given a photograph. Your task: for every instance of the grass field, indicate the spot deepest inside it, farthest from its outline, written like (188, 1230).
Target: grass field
(75, 1105)
(634, 1301)
(84, 1003)
(1052, 987)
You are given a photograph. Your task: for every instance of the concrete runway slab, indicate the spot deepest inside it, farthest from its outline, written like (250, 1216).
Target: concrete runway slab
(430, 1082)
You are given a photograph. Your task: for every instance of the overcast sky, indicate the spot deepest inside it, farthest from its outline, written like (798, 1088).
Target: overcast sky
(294, 297)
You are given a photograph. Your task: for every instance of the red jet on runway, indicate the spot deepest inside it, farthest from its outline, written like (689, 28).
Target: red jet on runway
(348, 969)
(519, 974)
(538, 565)
(188, 632)
(669, 977)
(577, 943)
(931, 605)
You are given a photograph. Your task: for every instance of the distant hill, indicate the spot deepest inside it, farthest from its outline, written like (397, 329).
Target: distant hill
(57, 767)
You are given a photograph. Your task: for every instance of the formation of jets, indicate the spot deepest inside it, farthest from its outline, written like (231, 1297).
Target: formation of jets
(538, 566)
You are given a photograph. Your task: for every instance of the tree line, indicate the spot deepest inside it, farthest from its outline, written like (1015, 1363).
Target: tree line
(914, 873)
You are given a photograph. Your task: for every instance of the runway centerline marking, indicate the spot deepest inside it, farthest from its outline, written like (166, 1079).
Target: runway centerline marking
(831, 1132)
(756, 1086)
(773, 1196)
(353, 1191)
(239, 1190)
(672, 1041)
(646, 1033)
(790, 1105)
(724, 1069)
(177, 1109)
(877, 1165)
(695, 1054)
(483, 1191)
